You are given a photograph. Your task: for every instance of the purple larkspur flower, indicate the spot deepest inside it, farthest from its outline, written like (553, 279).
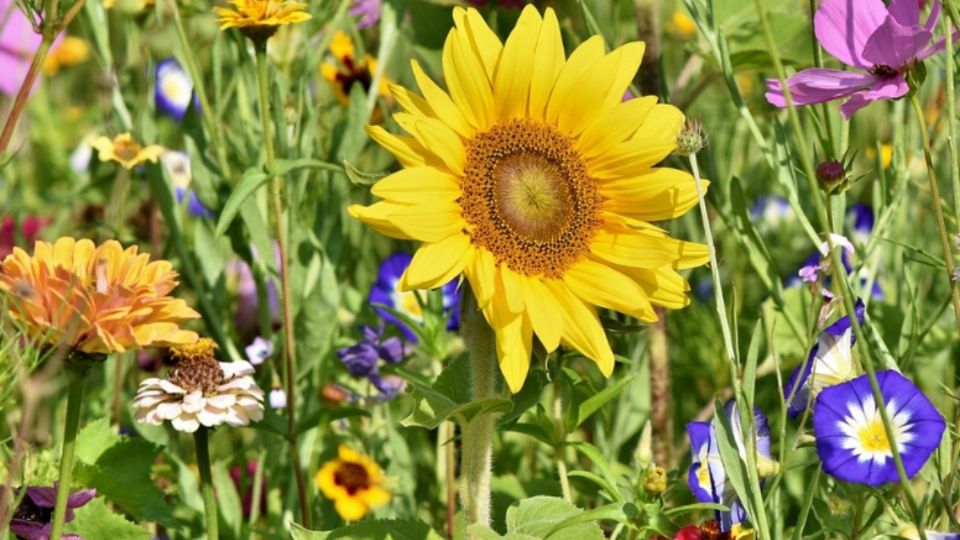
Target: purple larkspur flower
(174, 90)
(860, 221)
(386, 290)
(707, 477)
(830, 362)
(368, 11)
(881, 42)
(31, 519)
(851, 440)
(362, 359)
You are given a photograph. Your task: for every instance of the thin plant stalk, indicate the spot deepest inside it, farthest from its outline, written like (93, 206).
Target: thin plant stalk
(839, 274)
(51, 30)
(78, 380)
(206, 483)
(562, 472)
(289, 348)
(477, 449)
(937, 204)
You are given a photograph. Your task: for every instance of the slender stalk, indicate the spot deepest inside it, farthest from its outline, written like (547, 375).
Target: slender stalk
(952, 114)
(78, 380)
(937, 204)
(206, 483)
(839, 274)
(661, 425)
(289, 348)
(558, 450)
(477, 449)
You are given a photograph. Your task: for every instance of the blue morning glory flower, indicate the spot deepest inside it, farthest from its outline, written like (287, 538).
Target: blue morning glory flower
(174, 90)
(851, 439)
(770, 210)
(386, 291)
(177, 165)
(860, 222)
(830, 361)
(708, 479)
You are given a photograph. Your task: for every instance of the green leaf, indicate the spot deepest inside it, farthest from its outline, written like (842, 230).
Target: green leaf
(545, 517)
(609, 512)
(251, 181)
(287, 166)
(586, 408)
(95, 520)
(449, 398)
(119, 468)
(696, 507)
(381, 529)
(594, 455)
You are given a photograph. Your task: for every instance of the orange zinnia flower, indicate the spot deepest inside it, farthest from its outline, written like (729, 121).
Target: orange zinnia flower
(95, 299)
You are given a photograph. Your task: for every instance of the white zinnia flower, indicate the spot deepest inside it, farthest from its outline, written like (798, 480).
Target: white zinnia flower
(200, 391)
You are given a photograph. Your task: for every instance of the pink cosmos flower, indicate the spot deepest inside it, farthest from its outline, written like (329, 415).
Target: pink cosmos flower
(881, 42)
(18, 42)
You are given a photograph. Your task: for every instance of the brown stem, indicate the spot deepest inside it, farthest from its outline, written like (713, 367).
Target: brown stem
(662, 427)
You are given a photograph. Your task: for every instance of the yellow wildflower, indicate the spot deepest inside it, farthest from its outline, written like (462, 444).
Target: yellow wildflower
(259, 19)
(125, 150)
(68, 52)
(682, 25)
(353, 482)
(350, 71)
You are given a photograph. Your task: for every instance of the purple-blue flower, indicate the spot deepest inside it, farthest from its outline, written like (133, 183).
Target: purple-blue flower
(830, 362)
(362, 359)
(707, 477)
(770, 210)
(174, 89)
(386, 291)
(368, 11)
(881, 42)
(851, 439)
(860, 222)
(177, 166)
(31, 520)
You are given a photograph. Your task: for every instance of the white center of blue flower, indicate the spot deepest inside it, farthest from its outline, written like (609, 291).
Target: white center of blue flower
(865, 435)
(406, 302)
(176, 86)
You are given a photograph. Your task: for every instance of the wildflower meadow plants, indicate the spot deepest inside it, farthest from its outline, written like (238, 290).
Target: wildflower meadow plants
(369, 269)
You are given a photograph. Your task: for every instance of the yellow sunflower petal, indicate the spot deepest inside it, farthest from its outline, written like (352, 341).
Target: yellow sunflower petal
(441, 141)
(410, 102)
(514, 348)
(418, 185)
(614, 126)
(407, 150)
(660, 195)
(434, 265)
(664, 286)
(565, 97)
(468, 85)
(483, 276)
(513, 295)
(661, 126)
(600, 285)
(440, 102)
(548, 59)
(482, 39)
(512, 81)
(377, 216)
(543, 312)
(634, 248)
(428, 222)
(581, 327)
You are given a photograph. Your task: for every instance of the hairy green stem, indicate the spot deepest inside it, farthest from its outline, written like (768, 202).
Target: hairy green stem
(78, 380)
(206, 483)
(558, 449)
(477, 450)
(289, 348)
(937, 204)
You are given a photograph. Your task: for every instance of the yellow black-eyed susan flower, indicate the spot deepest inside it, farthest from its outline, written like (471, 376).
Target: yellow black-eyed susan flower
(353, 482)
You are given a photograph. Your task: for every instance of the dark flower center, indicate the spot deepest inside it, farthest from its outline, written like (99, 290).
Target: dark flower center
(359, 74)
(28, 511)
(883, 71)
(351, 476)
(197, 373)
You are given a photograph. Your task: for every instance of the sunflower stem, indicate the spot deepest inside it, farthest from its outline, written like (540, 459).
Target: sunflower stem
(289, 348)
(78, 375)
(937, 204)
(206, 483)
(476, 454)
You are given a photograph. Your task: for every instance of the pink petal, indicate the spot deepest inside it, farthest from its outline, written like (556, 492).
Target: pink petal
(890, 88)
(934, 16)
(938, 46)
(906, 12)
(843, 27)
(18, 42)
(817, 85)
(894, 44)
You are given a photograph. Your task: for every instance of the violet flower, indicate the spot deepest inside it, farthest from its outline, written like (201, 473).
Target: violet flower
(368, 11)
(362, 359)
(31, 519)
(881, 42)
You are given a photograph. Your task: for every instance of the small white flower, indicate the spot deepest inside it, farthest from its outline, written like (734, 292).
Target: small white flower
(80, 157)
(278, 399)
(177, 165)
(259, 351)
(200, 391)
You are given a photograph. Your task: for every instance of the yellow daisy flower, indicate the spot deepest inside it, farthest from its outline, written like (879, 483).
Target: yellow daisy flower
(682, 25)
(95, 299)
(351, 71)
(125, 150)
(530, 177)
(259, 19)
(353, 482)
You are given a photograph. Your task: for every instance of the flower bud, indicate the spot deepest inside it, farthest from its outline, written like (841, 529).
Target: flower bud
(830, 173)
(691, 139)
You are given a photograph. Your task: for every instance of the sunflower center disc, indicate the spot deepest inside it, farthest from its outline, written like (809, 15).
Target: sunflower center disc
(528, 198)
(351, 476)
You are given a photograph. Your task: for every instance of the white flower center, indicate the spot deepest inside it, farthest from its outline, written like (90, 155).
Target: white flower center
(865, 435)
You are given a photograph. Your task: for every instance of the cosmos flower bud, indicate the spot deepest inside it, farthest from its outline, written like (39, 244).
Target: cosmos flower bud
(830, 173)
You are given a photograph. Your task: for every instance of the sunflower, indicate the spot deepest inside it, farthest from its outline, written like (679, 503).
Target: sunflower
(353, 481)
(125, 150)
(259, 19)
(94, 299)
(352, 70)
(529, 176)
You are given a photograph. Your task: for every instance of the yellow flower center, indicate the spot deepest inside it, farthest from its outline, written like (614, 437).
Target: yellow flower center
(352, 477)
(873, 437)
(528, 198)
(126, 149)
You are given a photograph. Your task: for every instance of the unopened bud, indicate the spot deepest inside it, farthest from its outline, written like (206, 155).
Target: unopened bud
(830, 173)
(655, 482)
(691, 139)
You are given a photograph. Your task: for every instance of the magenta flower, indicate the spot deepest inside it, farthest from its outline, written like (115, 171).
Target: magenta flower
(18, 42)
(882, 42)
(368, 11)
